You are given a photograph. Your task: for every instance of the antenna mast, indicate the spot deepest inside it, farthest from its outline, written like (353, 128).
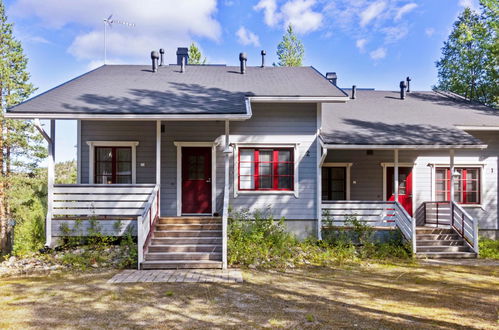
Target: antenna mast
(110, 21)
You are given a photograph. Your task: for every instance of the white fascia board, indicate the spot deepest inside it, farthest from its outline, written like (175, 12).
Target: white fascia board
(406, 147)
(119, 117)
(298, 99)
(478, 128)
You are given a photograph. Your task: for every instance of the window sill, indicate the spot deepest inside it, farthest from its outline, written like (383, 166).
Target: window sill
(267, 192)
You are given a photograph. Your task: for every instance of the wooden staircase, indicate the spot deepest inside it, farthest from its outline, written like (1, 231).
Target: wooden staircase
(437, 243)
(185, 242)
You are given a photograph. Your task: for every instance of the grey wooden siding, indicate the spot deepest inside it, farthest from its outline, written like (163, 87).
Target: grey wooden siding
(271, 123)
(105, 227)
(367, 173)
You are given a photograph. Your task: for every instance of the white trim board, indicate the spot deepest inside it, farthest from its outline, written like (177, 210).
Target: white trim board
(296, 156)
(213, 146)
(91, 155)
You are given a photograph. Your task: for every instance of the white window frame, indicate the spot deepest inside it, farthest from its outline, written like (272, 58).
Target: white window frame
(213, 146)
(347, 167)
(296, 158)
(91, 156)
(479, 166)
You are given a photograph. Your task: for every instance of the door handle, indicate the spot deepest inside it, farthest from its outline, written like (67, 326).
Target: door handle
(208, 180)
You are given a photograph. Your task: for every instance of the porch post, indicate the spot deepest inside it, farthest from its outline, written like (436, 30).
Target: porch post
(158, 158)
(396, 174)
(50, 183)
(451, 152)
(225, 211)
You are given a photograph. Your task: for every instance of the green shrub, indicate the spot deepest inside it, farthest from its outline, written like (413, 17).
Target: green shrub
(488, 248)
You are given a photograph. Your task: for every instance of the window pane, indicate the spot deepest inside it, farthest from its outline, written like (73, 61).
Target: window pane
(440, 174)
(264, 169)
(284, 169)
(265, 182)
(104, 154)
(285, 182)
(338, 173)
(265, 155)
(246, 182)
(284, 156)
(104, 168)
(104, 179)
(123, 179)
(124, 168)
(472, 197)
(124, 154)
(440, 196)
(472, 174)
(246, 169)
(471, 186)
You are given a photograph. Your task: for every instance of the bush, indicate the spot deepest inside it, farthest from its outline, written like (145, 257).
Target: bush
(488, 248)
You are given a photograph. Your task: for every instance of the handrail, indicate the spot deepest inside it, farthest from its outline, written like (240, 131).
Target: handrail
(409, 222)
(470, 234)
(144, 228)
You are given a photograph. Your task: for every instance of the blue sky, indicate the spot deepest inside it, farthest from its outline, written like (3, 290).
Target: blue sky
(369, 43)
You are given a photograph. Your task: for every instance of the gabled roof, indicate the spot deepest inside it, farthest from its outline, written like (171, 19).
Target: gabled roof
(423, 118)
(200, 90)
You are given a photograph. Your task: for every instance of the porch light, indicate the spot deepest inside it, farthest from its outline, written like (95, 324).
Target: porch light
(227, 150)
(456, 174)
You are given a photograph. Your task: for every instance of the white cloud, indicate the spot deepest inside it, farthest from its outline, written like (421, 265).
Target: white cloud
(371, 12)
(404, 10)
(299, 13)
(361, 44)
(395, 33)
(157, 24)
(378, 53)
(246, 37)
(472, 4)
(429, 32)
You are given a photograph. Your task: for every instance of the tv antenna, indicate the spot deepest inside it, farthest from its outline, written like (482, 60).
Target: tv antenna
(110, 21)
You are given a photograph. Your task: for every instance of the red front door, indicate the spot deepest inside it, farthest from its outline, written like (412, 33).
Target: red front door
(405, 187)
(196, 180)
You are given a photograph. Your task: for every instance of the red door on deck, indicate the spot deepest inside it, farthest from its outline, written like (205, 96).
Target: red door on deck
(405, 187)
(196, 180)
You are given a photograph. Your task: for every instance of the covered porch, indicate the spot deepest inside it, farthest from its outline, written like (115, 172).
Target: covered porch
(403, 187)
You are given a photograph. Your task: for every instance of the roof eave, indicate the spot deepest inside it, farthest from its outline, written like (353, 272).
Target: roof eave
(402, 146)
(298, 99)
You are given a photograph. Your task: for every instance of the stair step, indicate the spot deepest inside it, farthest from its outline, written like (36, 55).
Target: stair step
(189, 220)
(455, 242)
(437, 237)
(185, 240)
(186, 248)
(434, 230)
(446, 255)
(182, 264)
(188, 233)
(169, 256)
(189, 226)
(442, 248)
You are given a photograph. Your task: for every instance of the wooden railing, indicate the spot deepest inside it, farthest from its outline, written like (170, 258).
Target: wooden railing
(450, 214)
(146, 222)
(382, 214)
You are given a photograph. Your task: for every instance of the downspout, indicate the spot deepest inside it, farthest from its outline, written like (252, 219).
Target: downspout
(50, 176)
(225, 211)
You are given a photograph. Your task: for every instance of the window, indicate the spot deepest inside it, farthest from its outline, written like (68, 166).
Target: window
(266, 169)
(334, 183)
(113, 165)
(466, 185)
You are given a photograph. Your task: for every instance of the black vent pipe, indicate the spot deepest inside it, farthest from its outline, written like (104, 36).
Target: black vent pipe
(402, 90)
(161, 60)
(154, 58)
(242, 59)
(263, 53)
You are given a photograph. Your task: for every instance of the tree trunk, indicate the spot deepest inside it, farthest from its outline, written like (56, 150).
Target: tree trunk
(3, 218)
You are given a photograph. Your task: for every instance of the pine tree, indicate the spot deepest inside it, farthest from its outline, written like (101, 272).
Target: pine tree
(195, 55)
(290, 50)
(20, 144)
(466, 66)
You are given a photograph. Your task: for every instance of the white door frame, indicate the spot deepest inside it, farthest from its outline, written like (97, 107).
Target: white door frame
(411, 165)
(213, 146)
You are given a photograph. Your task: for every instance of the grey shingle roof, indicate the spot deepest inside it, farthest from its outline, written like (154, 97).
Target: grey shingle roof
(135, 89)
(423, 118)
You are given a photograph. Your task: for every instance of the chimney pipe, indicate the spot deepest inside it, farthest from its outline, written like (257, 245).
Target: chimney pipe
(154, 58)
(182, 53)
(182, 65)
(242, 59)
(332, 77)
(408, 84)
(402, 90)
(354, 89)
(263, 57)
(161, 53)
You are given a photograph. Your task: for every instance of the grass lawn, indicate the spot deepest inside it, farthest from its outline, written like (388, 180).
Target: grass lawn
(363, 296)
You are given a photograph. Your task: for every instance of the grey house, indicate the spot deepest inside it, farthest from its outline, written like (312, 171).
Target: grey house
(165, 150)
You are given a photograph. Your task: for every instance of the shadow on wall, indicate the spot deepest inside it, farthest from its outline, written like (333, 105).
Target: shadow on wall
(184, 98)
(367, 132)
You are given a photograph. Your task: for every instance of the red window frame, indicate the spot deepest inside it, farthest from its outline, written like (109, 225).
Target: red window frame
(275, 166)
(114, 161)
(463, 186)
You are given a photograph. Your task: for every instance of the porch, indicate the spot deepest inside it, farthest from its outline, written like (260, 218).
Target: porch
(396, 188)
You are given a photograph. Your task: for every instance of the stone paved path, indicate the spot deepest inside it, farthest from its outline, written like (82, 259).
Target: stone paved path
(182, 276)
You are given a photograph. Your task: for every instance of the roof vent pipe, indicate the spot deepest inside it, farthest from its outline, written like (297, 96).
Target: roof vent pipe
(354, 89)
(154, 58)
(408, 84)
(161, 53)
(242, 59)
(402, 90)
(332, 77)
(182, 65)
(263, 53)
